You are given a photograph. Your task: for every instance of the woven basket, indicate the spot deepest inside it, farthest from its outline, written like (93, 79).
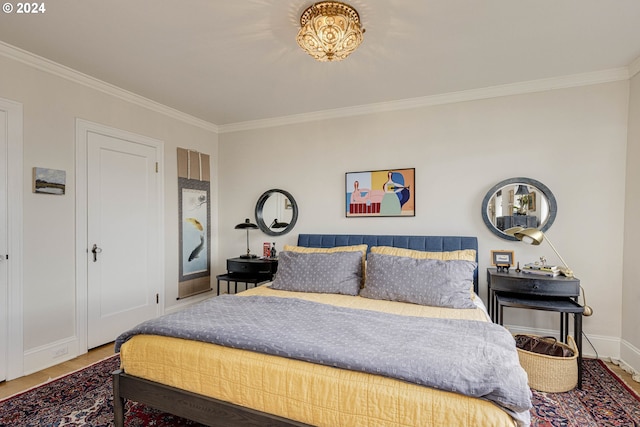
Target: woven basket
(550, 373)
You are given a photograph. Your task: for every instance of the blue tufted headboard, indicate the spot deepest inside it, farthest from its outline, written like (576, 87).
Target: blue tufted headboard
(420, 243)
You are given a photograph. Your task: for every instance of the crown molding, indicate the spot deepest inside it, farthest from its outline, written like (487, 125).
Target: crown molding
(532, 86)
(70, 74)
(634, 67)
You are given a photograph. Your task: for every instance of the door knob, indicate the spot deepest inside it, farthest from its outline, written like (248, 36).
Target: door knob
(95, 250)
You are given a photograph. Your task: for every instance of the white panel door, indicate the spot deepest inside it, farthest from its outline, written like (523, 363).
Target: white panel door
(123, 236)
(4, 248)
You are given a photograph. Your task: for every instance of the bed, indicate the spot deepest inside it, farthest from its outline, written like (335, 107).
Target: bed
(231, 383)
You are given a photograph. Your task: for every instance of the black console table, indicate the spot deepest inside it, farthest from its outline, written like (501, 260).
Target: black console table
(534, 292)
(248, 270)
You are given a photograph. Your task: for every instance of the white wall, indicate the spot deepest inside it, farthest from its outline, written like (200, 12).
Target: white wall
(572, 140)
(51, 106)
(631, 274)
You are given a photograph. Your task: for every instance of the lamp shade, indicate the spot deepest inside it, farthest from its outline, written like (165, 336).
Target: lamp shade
(522, 190)
(246, 224)
(531, 236)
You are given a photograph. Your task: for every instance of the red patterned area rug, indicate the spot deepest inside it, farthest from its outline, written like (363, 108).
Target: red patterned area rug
(84, 398)
(605, 400)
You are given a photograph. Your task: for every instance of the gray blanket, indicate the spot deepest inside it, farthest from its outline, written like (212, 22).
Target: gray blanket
(473, 358)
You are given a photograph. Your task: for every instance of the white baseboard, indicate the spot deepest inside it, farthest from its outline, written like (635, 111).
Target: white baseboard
(51, 354)
(630, 359)
(605, 346)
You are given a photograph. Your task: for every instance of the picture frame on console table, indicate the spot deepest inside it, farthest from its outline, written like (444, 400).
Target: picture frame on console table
(502, 260)
(380, 193)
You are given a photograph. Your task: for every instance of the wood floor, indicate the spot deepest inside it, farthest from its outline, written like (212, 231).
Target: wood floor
(626, 377)
(10, 388)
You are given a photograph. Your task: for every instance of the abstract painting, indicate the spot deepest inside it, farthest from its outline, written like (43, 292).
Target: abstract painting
(388, 192)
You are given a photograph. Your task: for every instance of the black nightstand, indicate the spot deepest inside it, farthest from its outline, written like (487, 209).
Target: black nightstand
(533, 292)
(248, 270)
(529, 284)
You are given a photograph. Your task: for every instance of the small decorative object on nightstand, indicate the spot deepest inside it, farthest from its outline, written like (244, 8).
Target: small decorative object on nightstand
(503, 260)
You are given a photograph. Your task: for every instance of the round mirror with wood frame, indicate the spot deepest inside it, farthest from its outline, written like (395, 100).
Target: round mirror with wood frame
(518, 202)
(276, 212)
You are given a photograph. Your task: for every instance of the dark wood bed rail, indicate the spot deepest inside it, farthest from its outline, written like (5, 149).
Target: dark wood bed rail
(185, 404)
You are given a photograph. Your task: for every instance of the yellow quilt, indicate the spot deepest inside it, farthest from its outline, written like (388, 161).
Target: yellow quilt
(313, 394)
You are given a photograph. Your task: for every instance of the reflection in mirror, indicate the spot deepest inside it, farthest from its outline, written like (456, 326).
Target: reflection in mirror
(518, 202)
(276, 224)
(276, 212)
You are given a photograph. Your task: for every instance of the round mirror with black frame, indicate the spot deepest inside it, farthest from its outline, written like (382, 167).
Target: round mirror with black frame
(518, 202)
(276, 212)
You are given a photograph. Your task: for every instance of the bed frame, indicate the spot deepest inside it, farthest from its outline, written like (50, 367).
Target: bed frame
(217, 413)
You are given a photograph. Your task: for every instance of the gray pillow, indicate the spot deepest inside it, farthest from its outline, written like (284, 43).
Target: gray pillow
(419, 281)
(329, 273)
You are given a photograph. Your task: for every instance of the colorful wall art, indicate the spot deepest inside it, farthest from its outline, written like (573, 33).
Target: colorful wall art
(389, 192)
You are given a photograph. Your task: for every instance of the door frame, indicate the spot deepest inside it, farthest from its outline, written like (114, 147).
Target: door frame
(83, 128)
(15, 166)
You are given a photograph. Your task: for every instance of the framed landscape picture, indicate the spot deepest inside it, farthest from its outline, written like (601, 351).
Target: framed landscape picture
(49, 181)
(502, 258)
(388, 192)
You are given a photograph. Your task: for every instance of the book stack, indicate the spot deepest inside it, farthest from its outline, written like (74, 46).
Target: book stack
(541, 270)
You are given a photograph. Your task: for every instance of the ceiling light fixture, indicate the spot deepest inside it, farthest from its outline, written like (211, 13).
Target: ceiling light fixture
(330, 31)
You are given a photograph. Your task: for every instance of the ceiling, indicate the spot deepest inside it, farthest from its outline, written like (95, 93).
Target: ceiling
(229, 62)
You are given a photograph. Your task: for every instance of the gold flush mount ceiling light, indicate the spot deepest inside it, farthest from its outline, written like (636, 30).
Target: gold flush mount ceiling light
(330, 31)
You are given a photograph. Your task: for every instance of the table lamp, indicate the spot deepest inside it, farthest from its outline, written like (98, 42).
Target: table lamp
(533, 236)
(247, 225)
